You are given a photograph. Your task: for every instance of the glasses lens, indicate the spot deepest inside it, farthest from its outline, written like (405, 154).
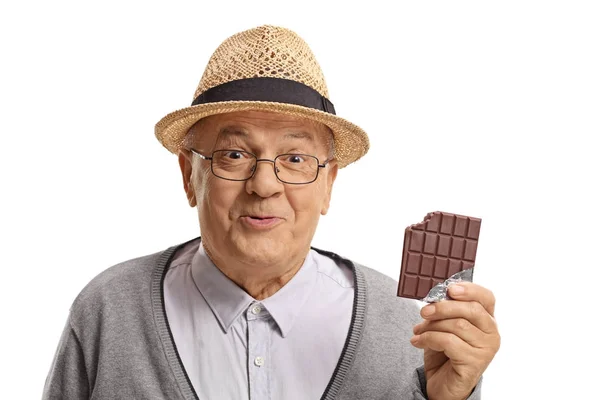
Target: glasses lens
(296, 168)
(233, 164)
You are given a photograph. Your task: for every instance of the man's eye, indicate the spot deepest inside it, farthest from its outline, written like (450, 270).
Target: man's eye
(234, 155)
(295, 159)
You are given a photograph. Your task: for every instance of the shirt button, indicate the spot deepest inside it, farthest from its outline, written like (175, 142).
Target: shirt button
(256, 310)
(259, 361)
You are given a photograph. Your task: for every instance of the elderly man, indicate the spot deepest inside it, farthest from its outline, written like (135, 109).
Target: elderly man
(250, 310)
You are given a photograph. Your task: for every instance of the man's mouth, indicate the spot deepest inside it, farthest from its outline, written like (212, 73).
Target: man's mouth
(261, 221)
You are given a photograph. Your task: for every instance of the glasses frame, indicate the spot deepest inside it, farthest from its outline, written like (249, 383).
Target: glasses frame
(259, 160)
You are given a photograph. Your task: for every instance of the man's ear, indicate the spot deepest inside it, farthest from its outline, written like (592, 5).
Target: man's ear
(332, 170)
(185, 164)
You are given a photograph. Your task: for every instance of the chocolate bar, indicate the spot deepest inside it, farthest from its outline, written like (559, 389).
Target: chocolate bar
(434, 250)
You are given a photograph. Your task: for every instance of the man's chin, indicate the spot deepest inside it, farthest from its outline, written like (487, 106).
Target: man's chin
(264, 250)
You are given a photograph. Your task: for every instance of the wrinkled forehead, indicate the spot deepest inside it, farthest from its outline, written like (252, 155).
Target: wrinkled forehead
(252, 125)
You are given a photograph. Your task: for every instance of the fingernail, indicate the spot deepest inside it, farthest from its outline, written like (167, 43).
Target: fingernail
(456, 289)
(414, 339)
(416, 328)
(428, 310)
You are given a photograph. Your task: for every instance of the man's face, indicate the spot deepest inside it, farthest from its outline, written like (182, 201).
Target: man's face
(227, 209)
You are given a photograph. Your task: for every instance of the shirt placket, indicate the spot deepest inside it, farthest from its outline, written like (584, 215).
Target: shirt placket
(259, 360)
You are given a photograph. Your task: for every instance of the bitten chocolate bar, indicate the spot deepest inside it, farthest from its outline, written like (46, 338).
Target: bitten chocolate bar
(434, 250)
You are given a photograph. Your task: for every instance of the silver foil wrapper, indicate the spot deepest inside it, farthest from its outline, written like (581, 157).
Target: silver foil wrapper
(440, 291)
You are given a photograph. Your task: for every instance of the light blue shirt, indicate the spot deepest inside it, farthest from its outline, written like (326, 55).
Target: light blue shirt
(235, 347)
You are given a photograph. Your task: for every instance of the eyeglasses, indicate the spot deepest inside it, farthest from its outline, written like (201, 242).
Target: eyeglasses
(238, 165)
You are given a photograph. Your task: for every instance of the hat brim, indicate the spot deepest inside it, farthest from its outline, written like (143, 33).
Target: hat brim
(350, 141)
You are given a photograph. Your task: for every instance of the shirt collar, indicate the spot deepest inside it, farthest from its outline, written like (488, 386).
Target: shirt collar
(228, 301)
(285, 305)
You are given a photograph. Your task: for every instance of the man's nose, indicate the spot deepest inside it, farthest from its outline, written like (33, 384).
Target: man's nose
(264, 182)
(274, 166)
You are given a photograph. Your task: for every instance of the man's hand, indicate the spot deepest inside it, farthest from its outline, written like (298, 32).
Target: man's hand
(460, 338)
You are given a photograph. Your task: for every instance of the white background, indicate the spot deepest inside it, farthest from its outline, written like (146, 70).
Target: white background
(489, 109)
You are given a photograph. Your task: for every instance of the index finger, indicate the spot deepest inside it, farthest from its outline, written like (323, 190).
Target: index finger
(473, 292)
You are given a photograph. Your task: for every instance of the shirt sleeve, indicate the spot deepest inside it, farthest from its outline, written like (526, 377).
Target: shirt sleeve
(422, 384)
(67, 378)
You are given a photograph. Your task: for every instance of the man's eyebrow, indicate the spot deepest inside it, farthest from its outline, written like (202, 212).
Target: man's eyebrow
(235, 131)
(299, 135)
(232, 131)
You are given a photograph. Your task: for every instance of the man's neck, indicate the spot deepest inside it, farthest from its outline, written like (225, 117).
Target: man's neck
(261, 282)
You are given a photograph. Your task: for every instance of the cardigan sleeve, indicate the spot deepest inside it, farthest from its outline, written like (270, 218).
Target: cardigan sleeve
(422, 394)
(67, 378)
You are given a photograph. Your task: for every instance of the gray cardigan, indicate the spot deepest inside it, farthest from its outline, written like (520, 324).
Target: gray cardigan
(117, 343)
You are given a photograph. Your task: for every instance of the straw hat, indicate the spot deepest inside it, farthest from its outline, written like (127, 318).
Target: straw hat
(267, 68)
